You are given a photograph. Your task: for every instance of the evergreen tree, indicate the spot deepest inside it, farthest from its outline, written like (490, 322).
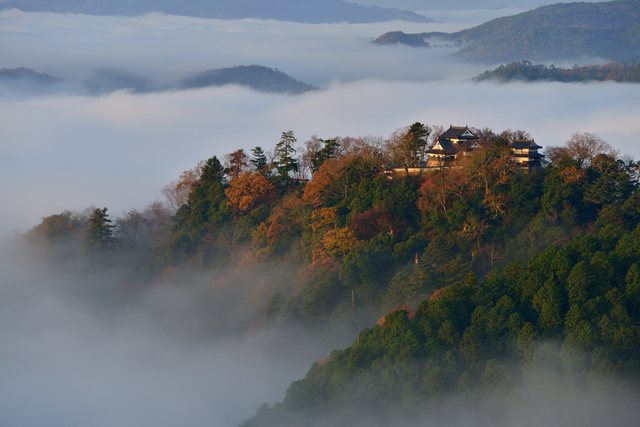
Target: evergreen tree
(327, 152)
(285, 163)
(415, 143)
(259, 159)
(212, 171)
(99, 238)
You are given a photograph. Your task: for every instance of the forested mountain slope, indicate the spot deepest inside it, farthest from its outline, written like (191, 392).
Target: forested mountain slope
(526, 71)
(497, 272)
(569, 319)
(609, 30)
(352, 236)
(284, 10)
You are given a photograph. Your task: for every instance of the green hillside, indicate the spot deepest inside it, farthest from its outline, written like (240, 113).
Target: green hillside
(571, 316)
(526, 71)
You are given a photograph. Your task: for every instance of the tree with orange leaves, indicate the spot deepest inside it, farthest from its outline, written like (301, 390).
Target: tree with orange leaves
(289, 216)
(236, 163)
(323, 218)
(339, 242)
(492, 166)
(337, 178)
(442, 188)
(248, 190)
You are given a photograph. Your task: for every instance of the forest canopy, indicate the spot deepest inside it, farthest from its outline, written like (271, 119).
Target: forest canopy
(477, 274)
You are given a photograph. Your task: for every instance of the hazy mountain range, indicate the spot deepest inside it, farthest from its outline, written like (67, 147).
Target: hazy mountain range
(107, 80)
(609, 30)
(432, 5)
(13, 75)
(308, 11)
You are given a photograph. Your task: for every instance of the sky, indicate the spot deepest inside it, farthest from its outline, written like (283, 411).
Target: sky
(67, 150)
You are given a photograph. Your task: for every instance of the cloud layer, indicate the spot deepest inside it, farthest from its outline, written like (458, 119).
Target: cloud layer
(69, 358)
(167, 47)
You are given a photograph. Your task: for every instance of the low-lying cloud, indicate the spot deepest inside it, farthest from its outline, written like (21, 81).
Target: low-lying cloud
(78, 351)
(166, 48)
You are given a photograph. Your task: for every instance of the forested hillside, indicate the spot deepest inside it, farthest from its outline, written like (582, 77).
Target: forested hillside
(609, 30)
(526, 71)
(567, 319)
(495, 271)
(351, 229)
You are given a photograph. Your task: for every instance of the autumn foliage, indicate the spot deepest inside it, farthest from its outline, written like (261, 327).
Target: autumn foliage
(248, 190)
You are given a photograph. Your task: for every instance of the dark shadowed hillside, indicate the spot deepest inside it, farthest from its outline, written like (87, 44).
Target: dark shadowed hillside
(394, 37)
(609, 30)
(309, 11)
(12, 75)
(254, 76)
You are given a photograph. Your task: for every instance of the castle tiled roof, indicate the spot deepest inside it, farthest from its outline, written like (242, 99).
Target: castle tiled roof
(519, 144)
(455, 132)
(447, 147)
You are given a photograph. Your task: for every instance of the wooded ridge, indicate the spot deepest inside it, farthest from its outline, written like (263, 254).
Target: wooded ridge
(609, 30)
(477, 274)
(526, 71)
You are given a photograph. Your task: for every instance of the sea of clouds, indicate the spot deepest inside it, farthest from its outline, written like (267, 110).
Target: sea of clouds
(68, 150)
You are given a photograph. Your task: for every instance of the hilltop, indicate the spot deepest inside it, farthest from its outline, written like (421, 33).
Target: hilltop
(488, 280)
(27, 75)
(308, 11)
(254, 76)
(394, 37)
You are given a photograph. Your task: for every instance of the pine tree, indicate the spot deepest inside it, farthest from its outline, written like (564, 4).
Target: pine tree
(327, 152)
(99, 238)
(212, 171)
(285, 163)
(415, 143)
(259, 159)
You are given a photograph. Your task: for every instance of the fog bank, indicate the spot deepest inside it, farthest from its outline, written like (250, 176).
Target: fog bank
(165, 48)
(80, 352)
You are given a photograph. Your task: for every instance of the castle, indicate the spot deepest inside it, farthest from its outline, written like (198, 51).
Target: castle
(459, 143)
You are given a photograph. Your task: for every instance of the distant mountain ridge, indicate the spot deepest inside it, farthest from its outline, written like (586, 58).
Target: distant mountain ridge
(306, 11)
(108, 80)
(394, 37)
(609, 30)
(254, 76)
(27, 75)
